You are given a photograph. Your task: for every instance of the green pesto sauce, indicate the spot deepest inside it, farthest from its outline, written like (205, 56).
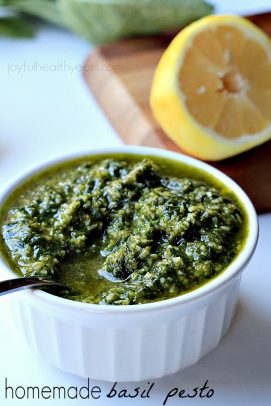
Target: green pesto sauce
(122, 229)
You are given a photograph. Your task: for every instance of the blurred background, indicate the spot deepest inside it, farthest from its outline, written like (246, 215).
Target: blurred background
(46, 107)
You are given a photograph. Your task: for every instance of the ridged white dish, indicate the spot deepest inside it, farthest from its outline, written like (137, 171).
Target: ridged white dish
(133, 343)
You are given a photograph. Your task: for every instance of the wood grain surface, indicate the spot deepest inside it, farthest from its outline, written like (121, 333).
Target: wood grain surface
(120, 75)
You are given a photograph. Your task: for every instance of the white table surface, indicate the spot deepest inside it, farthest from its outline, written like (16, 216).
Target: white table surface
(49, 112)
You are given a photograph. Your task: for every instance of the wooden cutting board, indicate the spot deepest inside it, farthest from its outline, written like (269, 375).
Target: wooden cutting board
(119, 76)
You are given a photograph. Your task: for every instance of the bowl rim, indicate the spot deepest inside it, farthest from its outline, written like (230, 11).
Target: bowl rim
(235, 267)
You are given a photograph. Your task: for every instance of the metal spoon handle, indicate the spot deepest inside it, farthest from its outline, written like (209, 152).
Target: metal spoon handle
(14, 285)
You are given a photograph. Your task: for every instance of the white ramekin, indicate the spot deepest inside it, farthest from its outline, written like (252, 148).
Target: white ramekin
(132, 343)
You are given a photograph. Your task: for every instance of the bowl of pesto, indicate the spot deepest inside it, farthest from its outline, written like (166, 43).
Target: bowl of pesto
(151, 243)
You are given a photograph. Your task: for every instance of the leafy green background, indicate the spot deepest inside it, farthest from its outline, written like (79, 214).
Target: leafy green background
(103, 21)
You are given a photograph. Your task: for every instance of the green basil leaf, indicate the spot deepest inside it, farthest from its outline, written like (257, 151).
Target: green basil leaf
(102, 21)
(46, 9)
(107, 20)
(15, 27)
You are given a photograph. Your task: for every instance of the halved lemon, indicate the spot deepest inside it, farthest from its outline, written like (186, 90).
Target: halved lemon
(211, 91)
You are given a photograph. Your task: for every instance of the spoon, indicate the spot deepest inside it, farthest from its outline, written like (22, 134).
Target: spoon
(30, 282)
